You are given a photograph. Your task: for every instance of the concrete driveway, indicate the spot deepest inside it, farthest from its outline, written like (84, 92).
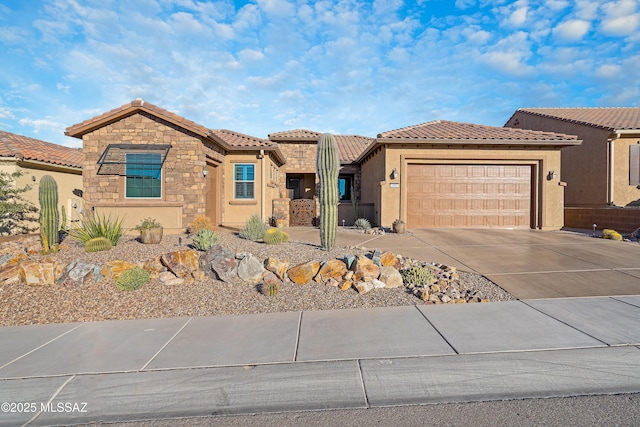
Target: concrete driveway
(529, 264)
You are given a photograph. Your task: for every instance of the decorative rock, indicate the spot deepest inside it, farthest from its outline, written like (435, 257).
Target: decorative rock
(304, 273)
(35, 273)
(170, 279)
(349, 260)
(388, 259)
(181, 263)
(250, 269)
(391, 277)
(332, 282)
(220, 264)
(377, 284)
(346, 285)
(75, 274)
(423, 294)
(363, 287)
(198, 275)
(9, 274)
(113, 269)
(332, 269)
(364, 269)
(375, 258)
(154, 267)
(277, 266)
(445, 299)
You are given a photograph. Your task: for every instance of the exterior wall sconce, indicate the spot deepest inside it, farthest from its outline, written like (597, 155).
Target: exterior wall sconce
(394, 174)
(205, 172)
(551, 175)
(33, 178)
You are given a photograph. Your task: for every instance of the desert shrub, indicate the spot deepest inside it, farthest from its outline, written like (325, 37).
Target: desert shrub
(362, 224)
(92, 226)
(275, 236)
(416, 276)
(133, 279)
(611, 234)
(204, 239)
(200, 222)
(147, 224)
(17, 215)
(254, 228)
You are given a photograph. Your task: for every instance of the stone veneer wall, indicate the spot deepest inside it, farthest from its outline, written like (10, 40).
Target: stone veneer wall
(183, 181)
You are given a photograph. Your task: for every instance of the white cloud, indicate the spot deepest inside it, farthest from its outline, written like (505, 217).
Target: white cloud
(621, 18)
(608, 71)
(250, 55)
(39, 125)
(515, 15)
(571, 30)
(465, 4)
(511, 63)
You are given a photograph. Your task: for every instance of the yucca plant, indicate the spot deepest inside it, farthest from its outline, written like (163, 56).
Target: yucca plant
(96, 225)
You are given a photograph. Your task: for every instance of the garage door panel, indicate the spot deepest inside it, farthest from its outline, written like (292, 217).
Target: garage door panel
(485, 196)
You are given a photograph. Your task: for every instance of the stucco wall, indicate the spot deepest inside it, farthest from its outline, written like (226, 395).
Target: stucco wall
(623, 193)
(584, 167)
(373, 173)
(548, 196)
(183, 183)
(68, 180)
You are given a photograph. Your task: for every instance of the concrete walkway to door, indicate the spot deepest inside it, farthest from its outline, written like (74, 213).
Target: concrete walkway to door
(529, 264)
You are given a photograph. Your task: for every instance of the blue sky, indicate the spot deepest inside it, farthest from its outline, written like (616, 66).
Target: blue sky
(348, 67)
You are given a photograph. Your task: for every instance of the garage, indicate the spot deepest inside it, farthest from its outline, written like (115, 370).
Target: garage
(469, 196)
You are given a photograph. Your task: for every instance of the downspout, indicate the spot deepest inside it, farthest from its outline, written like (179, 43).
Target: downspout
(610, 171)
(263, 187)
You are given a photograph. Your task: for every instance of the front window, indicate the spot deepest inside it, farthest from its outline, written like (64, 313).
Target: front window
(344, 187)
(243, 178)
(143, 175)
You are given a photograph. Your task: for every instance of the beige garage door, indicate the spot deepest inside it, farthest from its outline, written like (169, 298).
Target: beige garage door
(481, 196)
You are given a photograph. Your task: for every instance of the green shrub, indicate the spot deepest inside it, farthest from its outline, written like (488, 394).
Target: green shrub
(147, 224)
(204, 239)
(17, 214)
(92, 226)
(254, 229)
(97, 244)
(416, 276)
(275, 236)
(133, 279)
(362, 224)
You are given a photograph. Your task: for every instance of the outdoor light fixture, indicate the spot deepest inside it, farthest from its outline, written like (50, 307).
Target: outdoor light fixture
(33, 178)
(205, 172)
(551, 175)
(394, 174)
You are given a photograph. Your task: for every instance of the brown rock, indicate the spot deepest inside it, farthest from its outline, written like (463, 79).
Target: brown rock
(346, 285)
(113, 269)
(364, 269)
(332, 269)
(304, 273)
(363, 287)
(181, 263)
(388, 259)
(170, 279)
(32, 273)
(198, 275)
(391, 277)
(277, 266)
(154, 267)
(9, 274)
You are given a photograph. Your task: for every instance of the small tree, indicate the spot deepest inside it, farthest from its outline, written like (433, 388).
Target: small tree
(17, 215)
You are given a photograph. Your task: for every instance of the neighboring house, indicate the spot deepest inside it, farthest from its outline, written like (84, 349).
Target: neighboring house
(36, 158)
(143, 161)
(605, 168)
(450, 174)
(298, 174)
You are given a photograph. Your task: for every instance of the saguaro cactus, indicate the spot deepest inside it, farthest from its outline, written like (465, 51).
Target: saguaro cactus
(49, 219)
(327, 167)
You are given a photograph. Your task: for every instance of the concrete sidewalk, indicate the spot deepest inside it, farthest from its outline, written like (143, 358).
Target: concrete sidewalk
(160, 368)
(529, 264)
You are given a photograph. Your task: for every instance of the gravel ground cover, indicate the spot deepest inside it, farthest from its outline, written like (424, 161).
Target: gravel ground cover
(95, 301)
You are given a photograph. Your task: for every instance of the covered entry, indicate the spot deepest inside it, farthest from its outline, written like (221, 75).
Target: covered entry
(469, 195)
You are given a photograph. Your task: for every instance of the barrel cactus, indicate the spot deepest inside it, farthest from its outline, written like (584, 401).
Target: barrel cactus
(327, 167)
(275, 236)
(49, 218)
(132, 279)
(97, 244)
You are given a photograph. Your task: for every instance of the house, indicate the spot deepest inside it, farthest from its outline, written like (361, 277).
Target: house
(602, 172)
(140, 160)
(298, 175)
(34, 159)
(451, 174)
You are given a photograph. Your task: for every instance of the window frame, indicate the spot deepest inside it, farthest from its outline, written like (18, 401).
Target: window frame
(158, 168)
(349, 179)
(237, 181)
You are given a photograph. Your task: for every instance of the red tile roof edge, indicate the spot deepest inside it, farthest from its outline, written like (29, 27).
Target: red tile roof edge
(26, 148)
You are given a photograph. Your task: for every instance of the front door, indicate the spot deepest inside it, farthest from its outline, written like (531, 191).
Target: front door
(212, 194)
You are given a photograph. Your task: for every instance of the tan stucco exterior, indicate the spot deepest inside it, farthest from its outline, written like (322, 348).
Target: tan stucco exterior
(390, 196)
(69, 181)
(597, 171)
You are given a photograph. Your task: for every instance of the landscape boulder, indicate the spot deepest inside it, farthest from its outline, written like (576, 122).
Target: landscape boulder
(277, 266)
(76, 273)
(364, 269)
(304, 273)
(250, 269)
(181, 263)
(332, 269)
(220, 264)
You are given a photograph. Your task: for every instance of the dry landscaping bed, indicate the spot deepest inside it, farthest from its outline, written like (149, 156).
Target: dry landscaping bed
(101, 300)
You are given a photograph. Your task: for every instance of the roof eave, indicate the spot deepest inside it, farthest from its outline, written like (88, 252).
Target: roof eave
(224, 144)
(523, 142)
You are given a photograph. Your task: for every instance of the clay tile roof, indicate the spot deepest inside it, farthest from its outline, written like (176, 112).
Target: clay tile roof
(609, 118)
(96, 122)
(445, 130)
(25, 148)
(240, 140)
(349, 146)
